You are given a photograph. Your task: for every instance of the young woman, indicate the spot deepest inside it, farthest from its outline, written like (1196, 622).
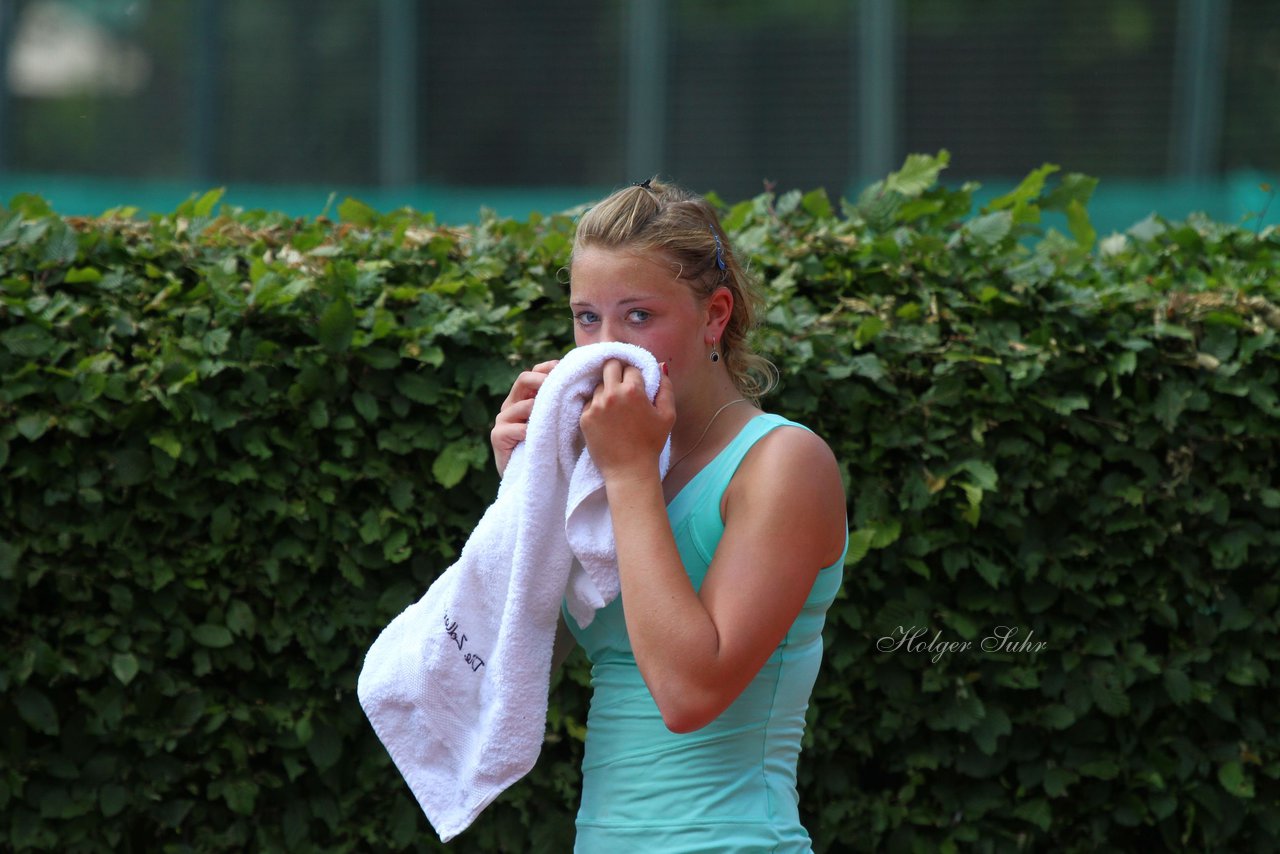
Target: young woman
(702, 669)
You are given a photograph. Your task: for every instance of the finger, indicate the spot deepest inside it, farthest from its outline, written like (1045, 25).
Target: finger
(665, 400)
(545, 367)
(666, 394)
(515, 413)
(507, 436)
(526, 386)
(503, 439)
(611, 373)
(632, 375)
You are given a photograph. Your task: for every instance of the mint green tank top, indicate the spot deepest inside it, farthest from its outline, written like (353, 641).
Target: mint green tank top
(730, 786)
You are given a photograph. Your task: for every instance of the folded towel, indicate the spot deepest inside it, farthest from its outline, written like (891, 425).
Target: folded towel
(456, 686)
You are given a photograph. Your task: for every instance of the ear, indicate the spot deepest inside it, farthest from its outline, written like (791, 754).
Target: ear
(718, 308)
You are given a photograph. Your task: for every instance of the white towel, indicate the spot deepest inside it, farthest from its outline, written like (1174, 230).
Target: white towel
(456, 686)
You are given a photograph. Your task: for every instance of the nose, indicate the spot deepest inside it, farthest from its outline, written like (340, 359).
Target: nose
(615, 331)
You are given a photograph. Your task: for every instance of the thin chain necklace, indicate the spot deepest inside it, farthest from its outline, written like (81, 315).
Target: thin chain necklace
(704, 432)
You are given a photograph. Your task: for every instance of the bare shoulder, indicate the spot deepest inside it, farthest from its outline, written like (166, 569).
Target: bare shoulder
(789, 456)
(791, 476)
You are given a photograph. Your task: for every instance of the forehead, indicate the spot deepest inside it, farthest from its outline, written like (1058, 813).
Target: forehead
(610, 274)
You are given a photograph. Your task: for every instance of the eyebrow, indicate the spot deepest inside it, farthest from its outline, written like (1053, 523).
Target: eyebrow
(627, 301)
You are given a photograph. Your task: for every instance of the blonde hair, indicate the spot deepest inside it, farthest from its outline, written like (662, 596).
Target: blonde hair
(684, 227)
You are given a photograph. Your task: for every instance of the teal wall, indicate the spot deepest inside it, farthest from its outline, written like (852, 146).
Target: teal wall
(1117, 203)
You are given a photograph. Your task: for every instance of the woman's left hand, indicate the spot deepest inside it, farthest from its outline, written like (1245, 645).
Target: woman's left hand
(625, 433)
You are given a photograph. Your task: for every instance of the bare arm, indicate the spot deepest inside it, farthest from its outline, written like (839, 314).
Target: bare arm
(784, 520)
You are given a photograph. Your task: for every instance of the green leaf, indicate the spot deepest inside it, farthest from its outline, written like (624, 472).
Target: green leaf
(36, 710)
(787, 202)
(31, 205)
(917, 208)
(1177, 686)
(1125, 363)
(988, 230)
(240, 619)
(337, 326)
(1234, 779)
(62, 246)
(816, 203)
(867, 330)
(1170, 402)
(401, 495)
(382, 357)
(240, 795)
(991, 572)
(27, 340)
(1018, 202)
(303, 729)
(357, 213)
(451, 465)
(886, 533)
(983, 474)
(859, 544)
(212, 636)
(1162, 805)
(34, 425)
(1065, 404)
(973, 512)
(1057, 716)
(395, 548)
(869, 366)
(366, 404)
(419, 387)
(112, 799)
(125, 666)
(1057, 780)
(167, 442)
(204, 207)
(1109, 694)
(1102, 769)
(988, 731)
(223, 523)
(1074, 187)
(325, 747)
(318, 414)
(1037, 812)
(215, 341)
(1081, 227)
(919, 567)
(919, 172)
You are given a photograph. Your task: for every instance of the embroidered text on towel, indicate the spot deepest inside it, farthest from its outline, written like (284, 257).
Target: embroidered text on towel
(451, 629)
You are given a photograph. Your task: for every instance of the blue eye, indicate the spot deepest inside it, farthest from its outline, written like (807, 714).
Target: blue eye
(638, 315)
(585, 318)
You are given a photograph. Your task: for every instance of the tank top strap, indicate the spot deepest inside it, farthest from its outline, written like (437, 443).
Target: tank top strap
(727, 461)
(715, 475)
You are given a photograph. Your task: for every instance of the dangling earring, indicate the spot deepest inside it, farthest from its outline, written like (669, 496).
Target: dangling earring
(715, 354)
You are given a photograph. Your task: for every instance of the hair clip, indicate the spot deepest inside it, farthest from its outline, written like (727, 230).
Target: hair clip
(644, 184)
(719, 248)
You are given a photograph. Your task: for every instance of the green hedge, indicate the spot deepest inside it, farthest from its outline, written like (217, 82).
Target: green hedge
(233, 445)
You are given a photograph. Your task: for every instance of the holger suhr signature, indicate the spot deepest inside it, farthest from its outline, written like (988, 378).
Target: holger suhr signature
(914, 639)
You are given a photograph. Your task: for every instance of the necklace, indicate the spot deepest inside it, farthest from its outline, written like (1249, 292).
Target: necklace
(704, 432)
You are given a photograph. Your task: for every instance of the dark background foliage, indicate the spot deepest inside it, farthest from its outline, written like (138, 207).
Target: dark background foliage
(235, 444)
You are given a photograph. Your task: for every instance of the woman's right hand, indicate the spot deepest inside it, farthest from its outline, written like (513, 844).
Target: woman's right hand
(513, 418)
